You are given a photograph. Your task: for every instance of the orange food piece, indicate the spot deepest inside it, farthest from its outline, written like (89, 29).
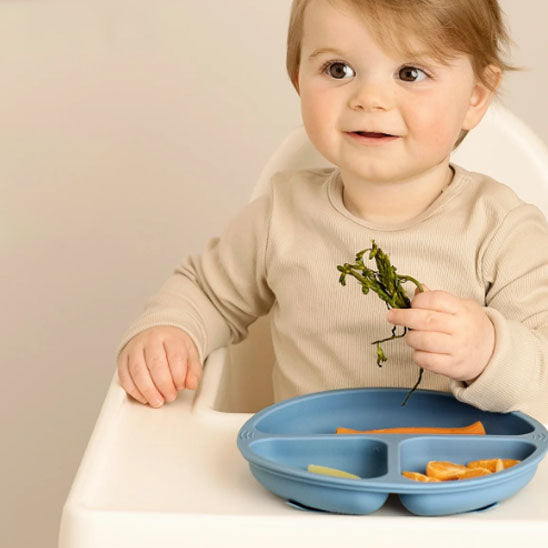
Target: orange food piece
(447, 471)
(418, 477)
(444, 470)
(475, 472)
(493, 465)
(472, 429)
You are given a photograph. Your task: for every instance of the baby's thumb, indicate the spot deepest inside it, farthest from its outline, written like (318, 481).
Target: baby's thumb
(194, 369)
(424, 287)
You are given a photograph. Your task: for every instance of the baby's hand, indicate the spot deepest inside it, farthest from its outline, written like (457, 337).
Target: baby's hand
(450, 335)
(157, 363)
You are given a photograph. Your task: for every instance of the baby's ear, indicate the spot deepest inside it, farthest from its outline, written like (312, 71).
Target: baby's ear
(493, 75)
(481, 97)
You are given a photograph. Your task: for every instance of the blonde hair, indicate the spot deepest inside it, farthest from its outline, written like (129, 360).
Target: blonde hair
(446, 28)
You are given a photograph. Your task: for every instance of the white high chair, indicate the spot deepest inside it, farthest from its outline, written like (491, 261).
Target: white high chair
(174, 476)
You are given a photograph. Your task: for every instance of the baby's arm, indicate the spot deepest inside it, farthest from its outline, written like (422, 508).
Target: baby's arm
(208, 302)
(515, 374)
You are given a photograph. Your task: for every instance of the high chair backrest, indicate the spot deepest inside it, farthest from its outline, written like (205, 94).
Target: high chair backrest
(502, 146)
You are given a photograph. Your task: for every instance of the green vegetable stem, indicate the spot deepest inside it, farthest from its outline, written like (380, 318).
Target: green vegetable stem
(387, 285)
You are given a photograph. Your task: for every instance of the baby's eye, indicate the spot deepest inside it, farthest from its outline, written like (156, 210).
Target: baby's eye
(412, 74)
(338, 70)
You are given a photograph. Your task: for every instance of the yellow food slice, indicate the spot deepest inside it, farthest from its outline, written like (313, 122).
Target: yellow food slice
(444, 470)
(491, 464)
(418, 477)
(327, 471)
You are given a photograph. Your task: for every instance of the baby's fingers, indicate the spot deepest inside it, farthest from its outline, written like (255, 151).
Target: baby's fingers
(432, 361)
(194, 370)
(176, 353)
(441, 301)
(140, 375)
(126, 381)
(439, 343)
(422, 320)
(160, 373)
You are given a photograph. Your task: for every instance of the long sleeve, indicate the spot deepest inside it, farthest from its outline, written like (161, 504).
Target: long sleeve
(515, 267)
(216, 295)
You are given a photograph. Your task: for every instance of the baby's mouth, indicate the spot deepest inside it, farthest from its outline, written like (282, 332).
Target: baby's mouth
(372, 134)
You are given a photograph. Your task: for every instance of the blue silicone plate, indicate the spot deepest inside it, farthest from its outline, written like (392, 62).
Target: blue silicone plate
(282, 440)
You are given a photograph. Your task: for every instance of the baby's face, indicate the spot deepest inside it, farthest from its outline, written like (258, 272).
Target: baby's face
(422, 104)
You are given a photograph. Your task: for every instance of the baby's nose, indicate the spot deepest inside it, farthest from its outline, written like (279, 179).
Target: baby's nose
(371, 95)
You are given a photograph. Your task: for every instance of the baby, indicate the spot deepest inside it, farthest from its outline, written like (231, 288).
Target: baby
(388, 89)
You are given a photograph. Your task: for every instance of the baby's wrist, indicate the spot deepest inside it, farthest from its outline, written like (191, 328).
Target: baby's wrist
(488, 352)
(476, 374)
(471, 381)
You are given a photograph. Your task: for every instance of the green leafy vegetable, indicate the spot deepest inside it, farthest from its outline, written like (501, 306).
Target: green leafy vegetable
(387, 284)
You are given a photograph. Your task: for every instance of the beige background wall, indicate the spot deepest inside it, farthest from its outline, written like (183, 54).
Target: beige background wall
(130, 131)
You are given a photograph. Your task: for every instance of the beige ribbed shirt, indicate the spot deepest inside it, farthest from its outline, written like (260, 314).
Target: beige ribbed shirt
(477, 240)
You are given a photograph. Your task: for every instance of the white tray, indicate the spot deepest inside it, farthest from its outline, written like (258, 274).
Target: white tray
(174, 477)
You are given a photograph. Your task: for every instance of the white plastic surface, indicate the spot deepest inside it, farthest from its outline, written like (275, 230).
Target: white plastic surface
(174, 477)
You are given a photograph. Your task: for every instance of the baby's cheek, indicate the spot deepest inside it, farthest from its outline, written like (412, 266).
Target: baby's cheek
(317, 122)
(311, 119)
(439, 133)
(434, 125)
